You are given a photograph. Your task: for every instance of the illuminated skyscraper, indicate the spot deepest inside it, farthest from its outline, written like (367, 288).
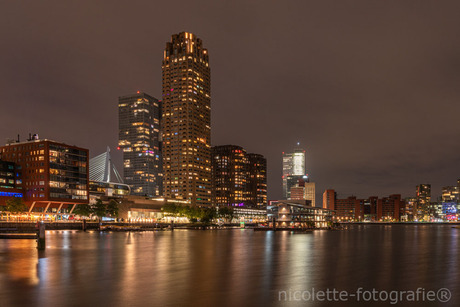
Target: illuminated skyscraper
(293, 169)
(423, 196)
(230, 175)
(139, 131)
(186, 120)
(257, 180)
(239, 178)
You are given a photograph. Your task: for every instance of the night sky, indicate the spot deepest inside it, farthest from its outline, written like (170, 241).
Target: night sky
(371, 89)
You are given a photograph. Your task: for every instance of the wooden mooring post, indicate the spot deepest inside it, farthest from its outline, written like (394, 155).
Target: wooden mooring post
(41, 238)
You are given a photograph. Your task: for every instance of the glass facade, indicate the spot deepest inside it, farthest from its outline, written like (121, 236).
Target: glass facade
(50, 171)
(293, 169)
(98, 188)
(239, 179)
(139, 138)
(68, 169)
(423, 196)
(10, 175)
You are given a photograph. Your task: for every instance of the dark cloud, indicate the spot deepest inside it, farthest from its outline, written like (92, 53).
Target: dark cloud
(369, 88)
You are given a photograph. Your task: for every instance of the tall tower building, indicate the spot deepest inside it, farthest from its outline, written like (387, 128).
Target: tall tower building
(293, 169)
(230, 175)
(423, 196)
(139, 132)
(186, 120)
(239, 178)
(257, 180)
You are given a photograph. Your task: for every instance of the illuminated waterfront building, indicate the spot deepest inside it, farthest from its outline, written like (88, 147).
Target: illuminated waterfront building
(186, 120)
(450, 204)
(302, 190)
(347, 209)
(293, 169)
(230, 176)
(139, 139)
(239, 178)
(298, 214)
(369, 210)
(329, 197)
(10, 181)
(257, 180)
(411, 208)
(451, 194)
(54, 175)
(423, 196)
(10, 175)
(310, 192)
(390, 208)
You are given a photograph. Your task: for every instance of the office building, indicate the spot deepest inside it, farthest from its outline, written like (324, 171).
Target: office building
(257, 180)
(369, 210)
(139, 139)
(423, 196)
(186, 120)
(55, 176)
(302, 190)
(310, 192)
(10, 181)
(10, 175)
(390, 208)
(329, 197)
(293, 169)
(239, 178)
(350, 209)
(230, 176)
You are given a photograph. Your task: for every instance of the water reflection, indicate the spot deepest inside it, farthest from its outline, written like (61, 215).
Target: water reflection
(224, 268)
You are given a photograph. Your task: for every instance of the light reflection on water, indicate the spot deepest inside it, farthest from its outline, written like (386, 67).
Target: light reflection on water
(224, 268)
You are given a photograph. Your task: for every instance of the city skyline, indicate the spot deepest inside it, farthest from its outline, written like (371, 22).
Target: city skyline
(372, 122)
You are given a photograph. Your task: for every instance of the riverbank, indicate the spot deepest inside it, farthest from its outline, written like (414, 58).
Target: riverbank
(400, 223)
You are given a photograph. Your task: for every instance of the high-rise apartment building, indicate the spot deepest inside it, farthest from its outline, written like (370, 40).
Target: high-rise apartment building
(257, 180)
(423, 196)
(239, 178)
(230, 176)
(139, 138)
(186, 120)
(293, 169)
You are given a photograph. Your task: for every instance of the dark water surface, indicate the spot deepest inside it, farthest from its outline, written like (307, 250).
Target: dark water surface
(228, 267)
